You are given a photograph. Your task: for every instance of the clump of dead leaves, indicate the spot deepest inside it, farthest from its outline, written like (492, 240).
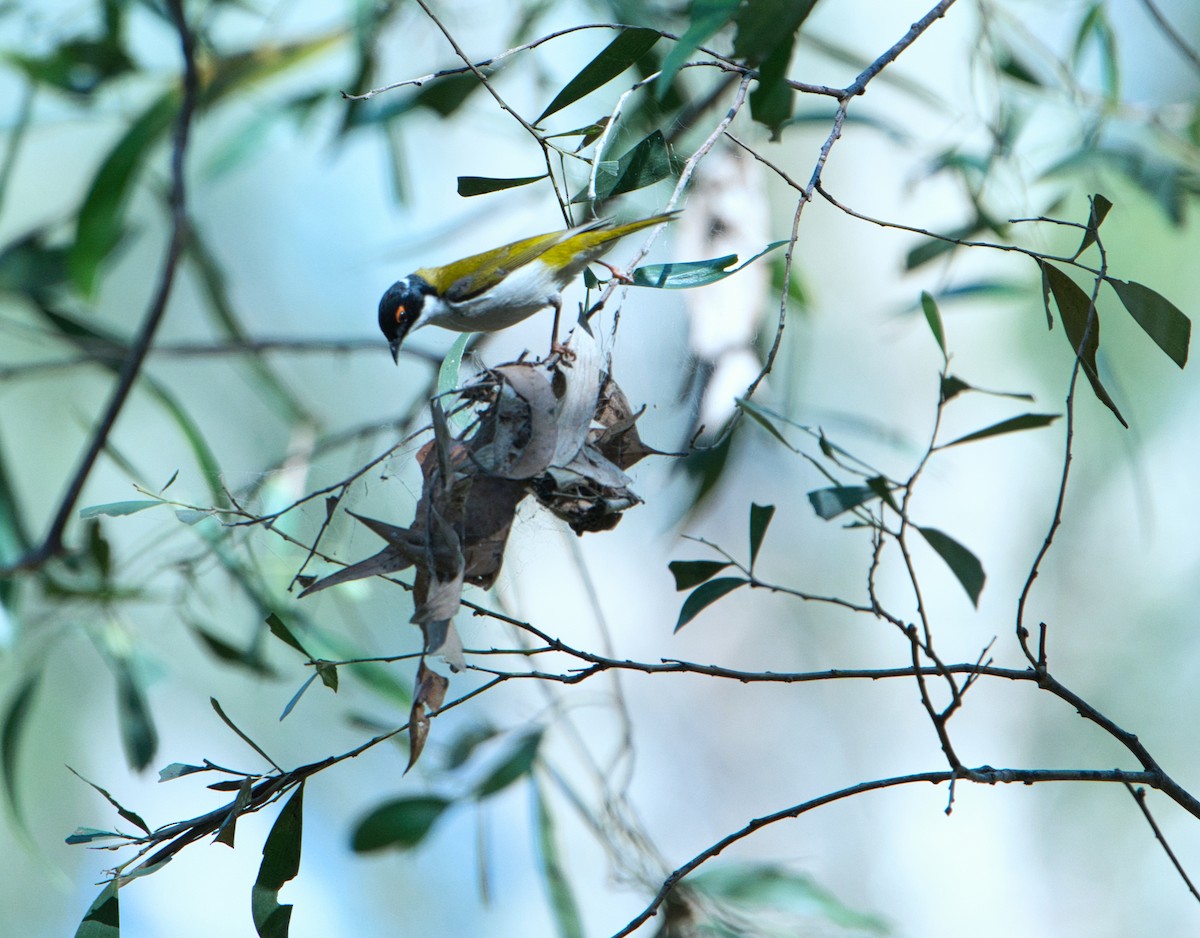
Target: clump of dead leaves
(560, 431)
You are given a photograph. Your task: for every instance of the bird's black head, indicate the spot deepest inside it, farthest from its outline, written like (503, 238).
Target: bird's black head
(400, 308)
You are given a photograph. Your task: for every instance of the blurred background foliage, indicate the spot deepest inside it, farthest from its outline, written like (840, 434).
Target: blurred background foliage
(268, 382)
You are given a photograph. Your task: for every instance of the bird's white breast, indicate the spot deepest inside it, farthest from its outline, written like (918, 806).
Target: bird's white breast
(518, 296)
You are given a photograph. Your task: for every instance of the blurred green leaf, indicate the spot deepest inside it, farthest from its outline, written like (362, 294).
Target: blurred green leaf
(1008, 64)
(689, 573)
(119, 509)
(30, 267)
(934, 318)
(830, 502)
(1159, 318)
(463, 746)
(100, 221)
(1078, 319)
(280, 630)
(762, 888)
(705, 595)
(760, 520)
(765, 26)
(517, 764)
(401, 823)
(76, 66)
(249, 659)
(138, 735)
(16, 715)
(280, 864)
(1011, 425)
(933, 248)
(755, 413)
(1095, 29)
(103, 917)
(562, 901)
(705, 17)
(481, 185)
(629, 46)
(962, 563)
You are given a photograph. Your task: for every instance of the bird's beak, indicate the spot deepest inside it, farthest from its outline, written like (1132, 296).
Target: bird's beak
(394, 345)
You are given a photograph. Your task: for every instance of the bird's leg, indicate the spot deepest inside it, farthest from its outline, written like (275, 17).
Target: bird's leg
(555, 348)
(618, 275)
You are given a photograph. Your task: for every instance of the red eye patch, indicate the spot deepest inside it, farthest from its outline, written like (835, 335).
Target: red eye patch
(399, 312)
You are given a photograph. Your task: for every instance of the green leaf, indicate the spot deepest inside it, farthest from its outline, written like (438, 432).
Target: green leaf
(773, 99)
(15, 718)
(689, 573)
(953, 386)
(482, 185)
(830, 502)
(138, 736)
(178, 770)
(1011, 425)
(934, 318)
(291, 704)
(1010, 65)
(562, 900)
(1095, 27)
(100, 220)
(962, 563)
(328, 673)
(648, 161)
(933, 248)
(464, 745)
(88, 835)
(118, 509)
(764, 26)
(705, 17)
(248, 658)
(284, 634)
(103, 917)
(629, 46)
(449, 376)
(1159, 318)
(683, 275)
(768, 892)
(128, 815)
(1100, 209)
(760, 520)
(1078, 319)
(280, 864)
(401, 823)
(705, 595)
(517, 764)
(751, 410)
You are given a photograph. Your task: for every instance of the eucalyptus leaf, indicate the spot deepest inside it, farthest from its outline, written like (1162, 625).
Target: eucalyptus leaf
(517, 764)
(119, 509)
(469, 186)
(962, 563)
(280, 864)
(1011, 425)
(103, 917)
(1079, 319)
(760, 520)
(689, 573)
(629, 46)
(401, 823)
(830, 502)
(1159, 318)
(705, 595)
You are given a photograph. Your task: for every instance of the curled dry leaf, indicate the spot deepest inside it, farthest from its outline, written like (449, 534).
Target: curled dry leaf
(428, 695)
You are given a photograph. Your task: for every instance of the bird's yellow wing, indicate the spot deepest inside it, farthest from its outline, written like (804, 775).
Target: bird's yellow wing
(463, 279)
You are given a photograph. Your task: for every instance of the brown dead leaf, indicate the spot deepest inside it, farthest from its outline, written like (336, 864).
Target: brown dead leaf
(428, 694)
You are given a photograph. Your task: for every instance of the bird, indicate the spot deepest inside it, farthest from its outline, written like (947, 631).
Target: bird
(495, 289)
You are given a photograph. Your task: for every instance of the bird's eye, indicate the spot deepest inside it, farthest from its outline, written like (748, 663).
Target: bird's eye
(399, 312)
